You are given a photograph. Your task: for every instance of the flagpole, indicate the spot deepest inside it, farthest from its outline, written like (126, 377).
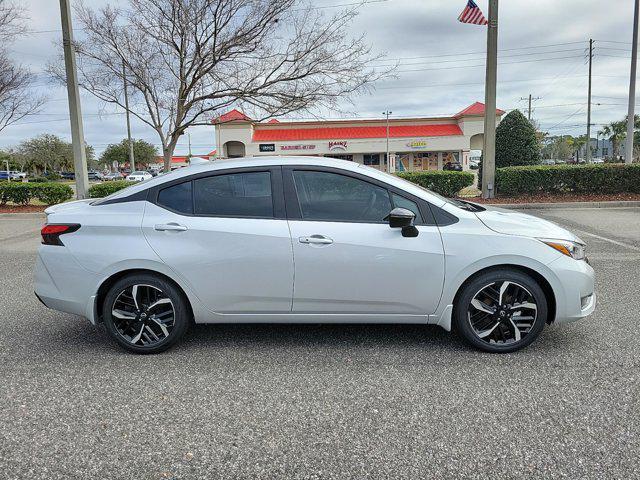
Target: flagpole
(489, 147)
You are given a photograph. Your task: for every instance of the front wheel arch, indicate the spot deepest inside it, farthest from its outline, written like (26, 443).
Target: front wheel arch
(110, 281)
(542, 281)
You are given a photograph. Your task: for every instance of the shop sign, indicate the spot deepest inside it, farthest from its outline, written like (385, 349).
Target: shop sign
(417, 144)
(341, 145)
(267, 147)
(297, 147)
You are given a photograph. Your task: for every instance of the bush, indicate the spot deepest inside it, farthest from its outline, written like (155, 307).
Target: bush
(100, 190)
(22, 193)
(596, 179)
(52, 176)
(445, 183)
(19, 193)
(51, 193)
(39, 180)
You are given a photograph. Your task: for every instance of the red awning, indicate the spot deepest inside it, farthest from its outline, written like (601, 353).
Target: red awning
(328, 133)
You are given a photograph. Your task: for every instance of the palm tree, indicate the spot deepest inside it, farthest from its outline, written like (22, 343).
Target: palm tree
(616, 132)
(577, 143)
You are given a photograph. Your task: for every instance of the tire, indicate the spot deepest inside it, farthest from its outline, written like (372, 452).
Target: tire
(155, 321)
(500, 327)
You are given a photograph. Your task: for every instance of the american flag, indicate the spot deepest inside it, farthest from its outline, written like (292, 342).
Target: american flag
(472, 14)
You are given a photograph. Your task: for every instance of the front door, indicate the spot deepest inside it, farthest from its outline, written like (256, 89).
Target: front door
(347, 258)
(222, 233)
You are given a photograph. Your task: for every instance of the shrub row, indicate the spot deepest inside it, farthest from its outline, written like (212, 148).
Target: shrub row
(597, 179)
(445, 183)
(103, 189)
(48, 193)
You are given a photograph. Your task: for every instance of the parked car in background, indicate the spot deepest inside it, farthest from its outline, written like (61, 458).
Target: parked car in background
(153, 171)
(306, 240)
(94, 176)
(597, 160)
(138, 176)
(548, 161)
(474, 164)
(5, 175)
(68, 175)
(454, 166)
(559, 161)
(15, 175)
(112, 176)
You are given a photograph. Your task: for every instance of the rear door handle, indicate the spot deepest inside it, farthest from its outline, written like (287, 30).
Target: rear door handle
(316, 239)
(170, 227)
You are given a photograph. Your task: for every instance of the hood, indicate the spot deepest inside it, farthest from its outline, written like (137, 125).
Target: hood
(515, 223)
(67, 207)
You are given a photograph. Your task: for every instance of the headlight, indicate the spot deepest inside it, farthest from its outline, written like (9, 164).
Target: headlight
(570, 249)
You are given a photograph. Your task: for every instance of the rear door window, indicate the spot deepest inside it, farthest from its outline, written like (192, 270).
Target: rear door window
(236, 195)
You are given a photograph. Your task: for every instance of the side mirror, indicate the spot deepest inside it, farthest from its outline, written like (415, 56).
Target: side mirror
(403, 218)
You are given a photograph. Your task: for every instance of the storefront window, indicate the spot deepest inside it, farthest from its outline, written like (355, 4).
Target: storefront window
(425, 161)
(341, 157)
(371, 159)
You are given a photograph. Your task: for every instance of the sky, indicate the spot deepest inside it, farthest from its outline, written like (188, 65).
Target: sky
(543, 51)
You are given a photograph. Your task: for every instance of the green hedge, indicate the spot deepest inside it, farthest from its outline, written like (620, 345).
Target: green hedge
(446, 183)
(48, 193)
(103, 189)
(597, 179)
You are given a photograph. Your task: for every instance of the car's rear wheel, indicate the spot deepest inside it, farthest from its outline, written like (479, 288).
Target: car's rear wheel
(144, 313)
(500, 311)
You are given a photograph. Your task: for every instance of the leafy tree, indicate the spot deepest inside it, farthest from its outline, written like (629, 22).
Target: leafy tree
(144, 153)
(48, 152)
(516, 141)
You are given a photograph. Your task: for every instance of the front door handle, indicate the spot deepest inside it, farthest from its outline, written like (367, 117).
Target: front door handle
(316, 240)
(170, 227)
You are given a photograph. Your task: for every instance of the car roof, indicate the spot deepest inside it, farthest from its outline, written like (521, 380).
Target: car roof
(281, 161)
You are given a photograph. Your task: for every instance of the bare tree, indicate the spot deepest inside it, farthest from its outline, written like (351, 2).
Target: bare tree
(187, 60)
(17, 99)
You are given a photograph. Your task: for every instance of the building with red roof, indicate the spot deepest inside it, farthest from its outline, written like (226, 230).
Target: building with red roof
(421, 143)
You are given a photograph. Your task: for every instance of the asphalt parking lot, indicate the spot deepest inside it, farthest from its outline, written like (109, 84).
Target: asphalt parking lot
(339, 402)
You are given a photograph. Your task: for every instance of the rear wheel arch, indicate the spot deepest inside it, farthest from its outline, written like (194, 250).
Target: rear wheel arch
(110, 281)
(539, 278)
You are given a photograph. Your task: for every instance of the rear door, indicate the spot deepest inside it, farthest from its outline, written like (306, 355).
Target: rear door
(225, 232)
(347, 258)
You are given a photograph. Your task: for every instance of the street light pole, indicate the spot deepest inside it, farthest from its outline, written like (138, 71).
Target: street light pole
(489, 147)
(75, 112)
(132, 160)
(385, 166)
(628, 150)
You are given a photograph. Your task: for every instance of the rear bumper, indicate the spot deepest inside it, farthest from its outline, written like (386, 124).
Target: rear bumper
(62, 284)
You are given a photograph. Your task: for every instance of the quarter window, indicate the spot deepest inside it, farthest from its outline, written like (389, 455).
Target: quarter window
(236, 194)
(177, 198)
(331, 196)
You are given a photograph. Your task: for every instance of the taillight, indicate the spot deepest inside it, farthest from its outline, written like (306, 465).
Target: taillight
(51, 233)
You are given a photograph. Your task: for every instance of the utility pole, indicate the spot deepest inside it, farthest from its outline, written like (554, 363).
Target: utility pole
(132, 160)
(628, 150)
(384, 166)
(530, 100)
(489, 148)
(588, 159)
(75, 112)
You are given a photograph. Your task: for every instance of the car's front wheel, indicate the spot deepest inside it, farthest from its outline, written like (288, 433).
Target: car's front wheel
(145, 313)
(500, 311)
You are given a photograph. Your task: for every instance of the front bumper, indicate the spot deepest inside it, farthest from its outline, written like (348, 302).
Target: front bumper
(575, 292)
